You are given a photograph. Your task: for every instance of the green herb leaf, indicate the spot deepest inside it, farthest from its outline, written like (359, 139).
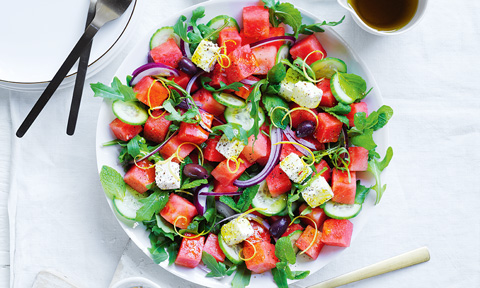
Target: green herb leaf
(286, 13)
(280, 277)
(193, 184)
(172, 250)
(234, 86)
(189, 116)
(158, 254)
(151, 205)
(180, 28)
(353, 85)
(217, 269)
(242, 277)
(254, 97)
(112, 182)
(230, 202)
(317, 27)
(277, 73)
(117, 91)
(296, 275)
(361, 193)
(284, 250)
(376, 167)
(246, 198)
(270, 102)
(232, 131)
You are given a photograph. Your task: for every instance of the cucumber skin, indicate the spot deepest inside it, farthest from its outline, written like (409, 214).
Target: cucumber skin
(145, 113)
(217, 96)
(340, 61)
(329, 214)
(336, 95)
(221, 243)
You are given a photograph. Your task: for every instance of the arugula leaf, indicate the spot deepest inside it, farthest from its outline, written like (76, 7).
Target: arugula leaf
(277, 73)
(284, 250)
(246, 198)
(117, 91)
(232, 131)
(189, 116)
(158, 254)
(361, 193)
(376, 167)
(317, 27)
(270, 102)
(193, 184)
(136, 146)
(180, 28)
(217, 269)
(234, 86)
(254, 97)
(242, 277)
(151, 205)
(340, 108)
(284, 13)
(165, 227)
(112, 182)
(290, 200)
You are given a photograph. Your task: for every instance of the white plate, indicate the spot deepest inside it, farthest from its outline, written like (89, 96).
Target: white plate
(335, 46)
(41, 34)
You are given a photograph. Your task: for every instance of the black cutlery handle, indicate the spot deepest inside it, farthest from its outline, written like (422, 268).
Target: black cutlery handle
(57, 79)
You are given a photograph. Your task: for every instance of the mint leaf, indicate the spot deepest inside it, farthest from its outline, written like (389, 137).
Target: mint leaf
(340, 109)
(217, 269)
(376, 167)
(383, 114)
(242, 277)
(151, 205)
(230, 202)
(246, 198)
(296, 275)
(270, 102)
(284, 250)
(277, 73)
(353, 85)
(158, 254)
(194, 184)
(112, 182)
(280, 277)
(232, 131)
(361, 193)
(117, 91)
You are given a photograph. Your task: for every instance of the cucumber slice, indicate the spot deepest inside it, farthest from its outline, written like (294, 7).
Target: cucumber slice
(219, 20)
(232, 252)
(162, 35)
(130, 112)
(294, 237)
(128, 206)
(242, 116)
(229, 100)
(327, 67)
(341, 211)
(272, 205)
(282, 53)
(338, 92)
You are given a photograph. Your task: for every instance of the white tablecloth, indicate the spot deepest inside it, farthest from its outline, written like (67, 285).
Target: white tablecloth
(58, 216)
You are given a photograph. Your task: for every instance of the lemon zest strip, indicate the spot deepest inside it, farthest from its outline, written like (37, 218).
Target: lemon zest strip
(251, 257)
(295, 143)
(304, 109)
(188, 237)
(305, 63)
(237, 162)
(314, 236)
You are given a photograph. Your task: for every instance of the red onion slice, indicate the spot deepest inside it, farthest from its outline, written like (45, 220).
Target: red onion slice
(292, 137)
(248, 81)
(155, 150)
(290, 39)
(192, 80)
(222, 193)
(200, 200)
(184, 46)
(152, 69)
(275, 136)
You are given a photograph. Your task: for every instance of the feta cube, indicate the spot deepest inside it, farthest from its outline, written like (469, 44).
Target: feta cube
(229, 149)
(205, 55)
(295, 168)
(237, 230)
(306, 94)
(317, 192)
(167, 175)
(288, 83)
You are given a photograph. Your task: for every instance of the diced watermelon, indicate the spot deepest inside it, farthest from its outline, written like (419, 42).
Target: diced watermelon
(245, 90)
(167, 53)
(207, 102)
(124, 131)
(308, 236)
(207, 118)
(343, 190)
(213, 248)
(230, 38)
(328, 129)
(260, 233)
(287, 149)
(337, 232)
(307, 45)
(225, 175)
(328, 100)
(210, 152)
(327, 174)
(358, 159)
(191, 132)
(255, 148)
(300, 116)
(138, 178)
(356, 108)
(221, 187)
(171, 147)
(248, 40)
(183, 80)
(265, 56)
(243, 64)
(264, 258)
(156, 127)
(278, 182)
(150, 92)
(292, 228)
(217, 75)
(190, 252)
(317, 215)
(314, 142)
(178, 206)
(274, 32)
(256, 21)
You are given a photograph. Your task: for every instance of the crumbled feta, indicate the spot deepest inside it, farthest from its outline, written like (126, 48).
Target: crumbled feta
(237, 230)
(317, 192)
(295, 168)
(288, 83)
(306, 94)
(167, 175)
(229, 149)
(205, 55)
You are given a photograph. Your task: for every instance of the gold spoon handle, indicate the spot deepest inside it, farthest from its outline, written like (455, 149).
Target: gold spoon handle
(407, 259)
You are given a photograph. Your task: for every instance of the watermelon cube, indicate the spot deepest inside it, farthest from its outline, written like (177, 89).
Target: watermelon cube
(207, 102)
(255, 148)
(190, 252)
(358, 159)
(178, 211)
(273, 32)
(242, 64)
(256, 22)
(210, 152)
(167, 53)
(287, 149)
(317, 215)
(327, 174)
(124, 131)
(307, 45)
(140, 176)
(328, 129)
(182, 80)
(343, 190)
(278, 182)
(213, 248)
(308, 236)
(292, 228)
(171, 147)
(191, 132)
(356, 108)
(150, 92)
(220, 187)
(265, 56)
(245, 90)
(337, 232)
(223, 174)
(328, 100)
(156, 127)
(264, 258)
(230, 38)
(260, 233)
(300, 116)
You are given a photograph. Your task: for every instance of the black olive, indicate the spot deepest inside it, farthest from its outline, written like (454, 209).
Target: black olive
(187, 66)
(195, 171)
(305, 128)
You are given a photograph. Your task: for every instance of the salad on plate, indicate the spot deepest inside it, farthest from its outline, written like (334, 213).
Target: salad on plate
(244, 147)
